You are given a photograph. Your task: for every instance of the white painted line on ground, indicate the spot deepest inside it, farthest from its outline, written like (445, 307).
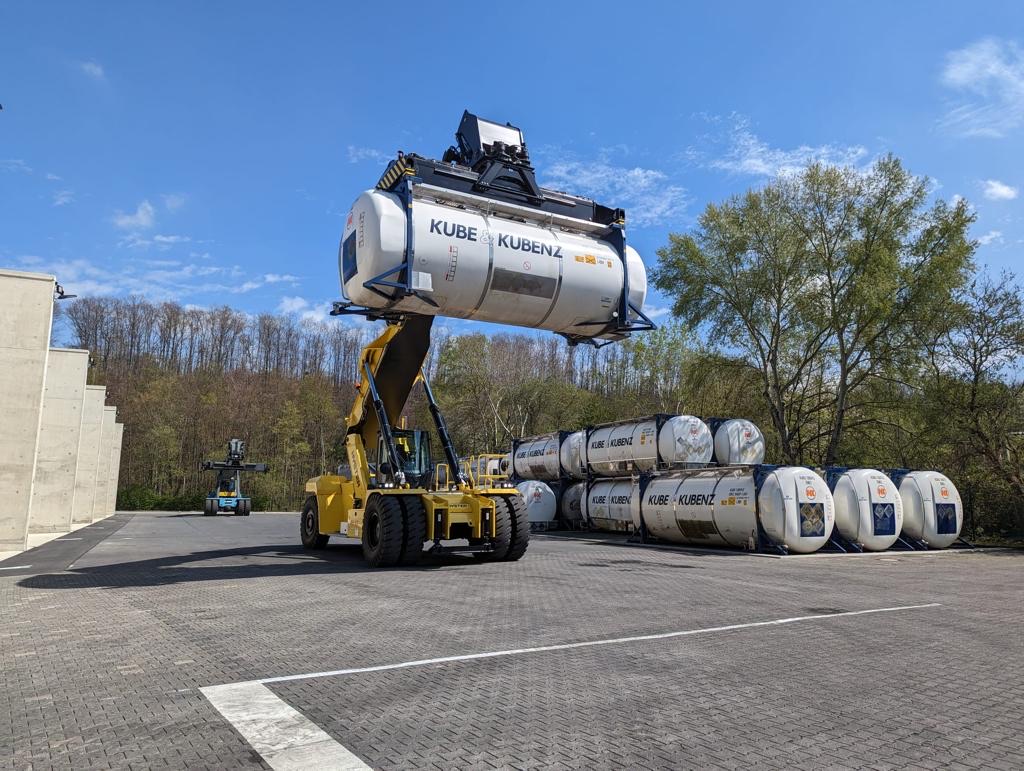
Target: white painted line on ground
(16, 567)
(285, 737)
(588, 644)
(287, 740)
(70, 539)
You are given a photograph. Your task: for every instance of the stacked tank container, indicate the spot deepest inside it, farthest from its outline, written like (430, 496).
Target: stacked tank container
(869, 509)
(933, 512)
(785, 508)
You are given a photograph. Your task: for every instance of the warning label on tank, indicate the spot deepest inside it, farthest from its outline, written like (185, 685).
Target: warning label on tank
(945, 518)
(812, 519)
(883, 516)
(523, 283)
(696, 529)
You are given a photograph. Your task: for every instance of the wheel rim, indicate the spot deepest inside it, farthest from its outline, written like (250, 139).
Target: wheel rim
(309, 522)
(373, 531)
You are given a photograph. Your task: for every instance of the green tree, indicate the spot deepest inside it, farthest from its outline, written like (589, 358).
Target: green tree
(821, 280)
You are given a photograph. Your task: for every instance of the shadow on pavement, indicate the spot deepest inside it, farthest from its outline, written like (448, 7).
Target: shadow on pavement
(187, 568)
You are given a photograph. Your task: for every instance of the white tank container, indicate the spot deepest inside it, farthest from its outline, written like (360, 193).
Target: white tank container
(932, 509)
(625, 448)
(609, 504)
(540, 502)
(505, 466)
(738, 443)
(571, 505)
(570, 454)
(721, 507)
(869, 509)
(477, 265)
(537, 458)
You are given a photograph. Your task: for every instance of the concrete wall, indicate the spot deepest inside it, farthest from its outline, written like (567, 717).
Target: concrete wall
(26, 315)
(115, 468)
(53, 488)
(99, 501)
(88, 454)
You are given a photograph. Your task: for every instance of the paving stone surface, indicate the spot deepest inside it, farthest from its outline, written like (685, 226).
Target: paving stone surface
(101, 658)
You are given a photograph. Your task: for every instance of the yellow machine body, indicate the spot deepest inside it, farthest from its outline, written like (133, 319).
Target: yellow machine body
(456, 505)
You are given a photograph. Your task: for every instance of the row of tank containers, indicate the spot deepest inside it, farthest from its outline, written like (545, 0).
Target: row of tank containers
(683, 479)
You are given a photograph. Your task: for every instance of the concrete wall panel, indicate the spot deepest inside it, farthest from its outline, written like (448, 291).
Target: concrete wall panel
(115, 468)
(99, 501)
(88, 454)
(53, 488)
(26, 315)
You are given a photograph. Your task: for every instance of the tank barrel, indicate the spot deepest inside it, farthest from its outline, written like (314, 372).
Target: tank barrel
(490, 245)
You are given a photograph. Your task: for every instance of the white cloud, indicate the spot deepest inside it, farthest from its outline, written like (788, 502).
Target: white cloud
(994, 190)
(648, 195)
(143, 218)
(748, 154)
(279, 278)
(53, 177)
(657, 312)
(93, 69)
(15, 165)
(304, 309)
(292, 304)
(173, 201)
(989, 76)
(63, 197)
(991, 237)
(360, 154)
(169, 240)
(156, 279)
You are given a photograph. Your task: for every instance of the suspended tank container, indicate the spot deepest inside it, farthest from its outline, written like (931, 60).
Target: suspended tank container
(571, 505)
(932, 510)
(541, 505)
(737, 442)
(725, 506)
(612, 504)
(869, 508)
(658, 442)
(474, 236)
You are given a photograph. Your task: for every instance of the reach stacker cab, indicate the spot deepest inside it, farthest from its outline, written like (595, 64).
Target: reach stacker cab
(227, 495)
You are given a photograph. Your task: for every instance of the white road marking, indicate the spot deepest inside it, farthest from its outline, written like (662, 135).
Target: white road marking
(285, 737)
(70, 539)
(587, 644)
(16, 567)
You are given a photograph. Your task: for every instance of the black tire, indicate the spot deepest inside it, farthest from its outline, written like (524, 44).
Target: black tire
(511, 531)
(414, 530)
(208, 508)
(383, 531)
(520, 526)
(309, 526)
(246, 504)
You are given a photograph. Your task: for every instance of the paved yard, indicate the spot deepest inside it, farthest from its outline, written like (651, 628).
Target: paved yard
(105, 643)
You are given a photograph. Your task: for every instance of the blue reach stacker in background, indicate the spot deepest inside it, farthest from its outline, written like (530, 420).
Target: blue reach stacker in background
(227, 495)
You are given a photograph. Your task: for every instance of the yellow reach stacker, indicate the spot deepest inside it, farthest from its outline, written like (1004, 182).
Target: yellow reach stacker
(402, 501)
(470, 236)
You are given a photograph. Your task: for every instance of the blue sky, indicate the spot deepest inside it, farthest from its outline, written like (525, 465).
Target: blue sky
(207, 152)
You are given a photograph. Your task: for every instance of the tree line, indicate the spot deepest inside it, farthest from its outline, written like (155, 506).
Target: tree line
(840, 309)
